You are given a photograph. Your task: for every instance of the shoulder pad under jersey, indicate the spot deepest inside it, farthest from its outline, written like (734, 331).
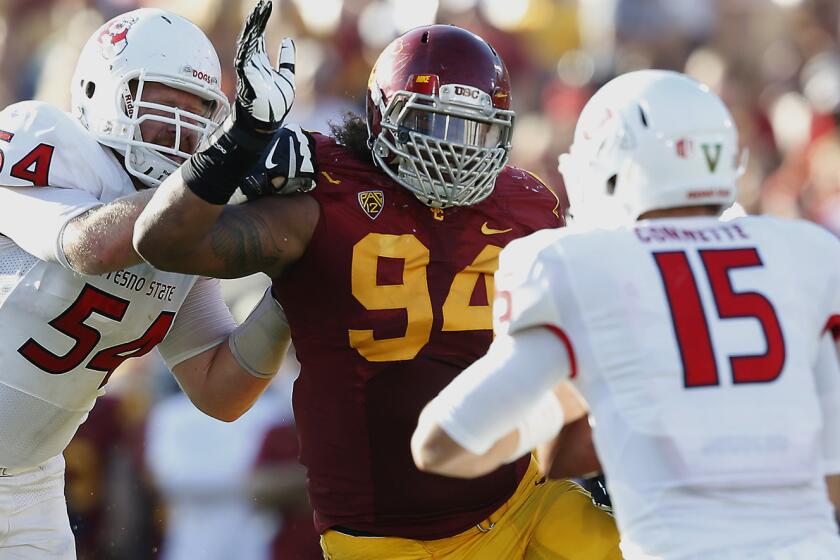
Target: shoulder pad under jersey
(44, 146)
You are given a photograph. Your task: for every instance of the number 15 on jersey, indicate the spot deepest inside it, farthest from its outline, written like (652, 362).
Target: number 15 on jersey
(691, 325)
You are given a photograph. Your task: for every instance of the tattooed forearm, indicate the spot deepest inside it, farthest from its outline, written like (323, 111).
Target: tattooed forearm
(244, 243)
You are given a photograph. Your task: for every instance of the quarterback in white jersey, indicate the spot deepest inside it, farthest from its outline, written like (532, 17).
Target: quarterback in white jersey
(75, 298)
(705, 348)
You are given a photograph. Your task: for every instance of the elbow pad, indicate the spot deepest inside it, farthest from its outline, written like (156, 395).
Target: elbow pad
(259, 344)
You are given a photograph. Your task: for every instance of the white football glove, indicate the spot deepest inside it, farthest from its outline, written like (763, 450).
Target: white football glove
(264, 95)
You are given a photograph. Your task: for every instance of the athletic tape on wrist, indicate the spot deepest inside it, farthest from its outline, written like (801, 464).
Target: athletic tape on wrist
(214, 173)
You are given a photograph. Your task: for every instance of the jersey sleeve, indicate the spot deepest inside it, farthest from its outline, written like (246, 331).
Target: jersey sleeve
(204, 321)
(51, 170)
(35, 218)
(820, 249)
(828, 370)
(553, 214)
(44, 146)
(525, 199)
(827, 374)
(833, 322)
(524, 294)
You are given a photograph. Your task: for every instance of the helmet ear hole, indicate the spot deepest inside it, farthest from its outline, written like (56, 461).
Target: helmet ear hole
(90, 88)
(611, 184)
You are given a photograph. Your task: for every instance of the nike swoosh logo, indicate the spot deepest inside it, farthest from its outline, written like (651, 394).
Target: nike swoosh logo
(487, 230)
(269, 160)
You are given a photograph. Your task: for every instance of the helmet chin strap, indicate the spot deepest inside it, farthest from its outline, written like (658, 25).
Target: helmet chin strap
(138, 183)
(142, 164)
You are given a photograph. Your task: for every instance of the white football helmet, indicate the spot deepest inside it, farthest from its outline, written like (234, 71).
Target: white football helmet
(131, 50)
(648, 140)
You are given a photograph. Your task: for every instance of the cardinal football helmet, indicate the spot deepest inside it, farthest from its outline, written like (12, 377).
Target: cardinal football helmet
(438, 115)
(648, 140)
(131, 50)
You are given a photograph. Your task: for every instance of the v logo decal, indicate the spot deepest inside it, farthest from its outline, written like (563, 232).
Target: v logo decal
(712, 160)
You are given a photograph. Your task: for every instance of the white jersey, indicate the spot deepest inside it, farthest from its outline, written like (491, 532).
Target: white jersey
(695, 342)
(63, 333)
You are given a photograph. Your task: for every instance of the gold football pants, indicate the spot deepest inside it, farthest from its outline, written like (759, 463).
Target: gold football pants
(543, 520)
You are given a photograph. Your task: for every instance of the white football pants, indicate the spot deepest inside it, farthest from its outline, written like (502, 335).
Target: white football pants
(33, 514)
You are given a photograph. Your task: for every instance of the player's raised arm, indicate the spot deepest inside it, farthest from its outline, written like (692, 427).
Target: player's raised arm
(180, 232)
(187, 226)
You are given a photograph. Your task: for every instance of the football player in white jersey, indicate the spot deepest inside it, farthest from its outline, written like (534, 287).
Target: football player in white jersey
(75, 298)
(706, 349)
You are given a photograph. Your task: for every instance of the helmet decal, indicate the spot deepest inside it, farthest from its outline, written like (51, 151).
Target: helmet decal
(712, 153)
(200, 75)
(684, 147)
(113, 39)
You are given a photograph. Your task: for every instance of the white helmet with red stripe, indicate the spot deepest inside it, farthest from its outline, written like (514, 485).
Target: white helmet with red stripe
(119, 59)
(648, 140)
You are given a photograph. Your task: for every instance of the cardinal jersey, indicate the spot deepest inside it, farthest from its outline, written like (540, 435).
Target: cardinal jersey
(696, 343)
(63, 333)
(391, 300)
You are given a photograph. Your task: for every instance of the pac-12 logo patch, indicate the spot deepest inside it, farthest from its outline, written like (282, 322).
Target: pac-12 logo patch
(113, 37)
(372, 202)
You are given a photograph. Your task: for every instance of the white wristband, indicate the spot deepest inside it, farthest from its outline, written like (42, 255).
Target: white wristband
(259, 344)
(542, 422)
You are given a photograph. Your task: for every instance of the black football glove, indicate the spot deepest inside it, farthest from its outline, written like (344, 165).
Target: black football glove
(289, 161)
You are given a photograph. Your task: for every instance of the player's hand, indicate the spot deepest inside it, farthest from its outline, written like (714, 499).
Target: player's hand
(264, 94)
(287, 166)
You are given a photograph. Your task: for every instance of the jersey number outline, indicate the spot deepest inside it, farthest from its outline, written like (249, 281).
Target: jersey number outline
(71, 323)
(413, 295)
(691, 325)
(39, 160)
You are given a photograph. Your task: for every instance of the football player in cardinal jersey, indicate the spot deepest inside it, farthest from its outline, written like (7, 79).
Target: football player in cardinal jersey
(75, 298)
(706, 348)
(385, 272)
